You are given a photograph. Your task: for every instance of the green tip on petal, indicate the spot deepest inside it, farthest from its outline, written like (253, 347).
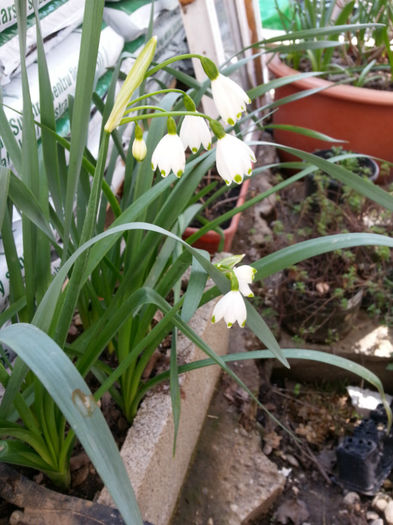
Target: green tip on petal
(227, 182)
(213, 319)
(209, 145)
(239, 115)
(179, 174)
(229, 325)
(250, 295)
(231, 122)
(243, 324)
(238, 178)
(249, 171)
(163, 173)
(194, 150)
(152, 166)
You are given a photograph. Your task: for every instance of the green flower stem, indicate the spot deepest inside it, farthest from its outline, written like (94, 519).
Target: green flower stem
(166, 114)
(153, 94)
(234, 281)
(170, 61)
(142, 108)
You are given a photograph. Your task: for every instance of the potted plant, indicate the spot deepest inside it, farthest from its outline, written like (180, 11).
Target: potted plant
(318, 299)
(362, 165)
(351, 98)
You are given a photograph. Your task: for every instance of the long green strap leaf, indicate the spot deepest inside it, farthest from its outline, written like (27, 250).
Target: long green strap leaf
(289, 353)
(82, 103)
(68, 389)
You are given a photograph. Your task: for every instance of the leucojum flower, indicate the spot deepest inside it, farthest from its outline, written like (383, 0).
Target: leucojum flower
(139, 149)
(194, 131)
(233, 157)
(169, 153)
(229, 98)
(231, 307)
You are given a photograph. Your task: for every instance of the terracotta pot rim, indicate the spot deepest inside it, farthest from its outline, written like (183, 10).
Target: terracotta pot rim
(212, 236)
(358, 94)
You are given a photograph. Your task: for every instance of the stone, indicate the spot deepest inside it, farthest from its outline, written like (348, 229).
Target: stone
(380, 501)
(371, 515)
(351, 499)
(242, 481)
(389, 513)
(378, 521)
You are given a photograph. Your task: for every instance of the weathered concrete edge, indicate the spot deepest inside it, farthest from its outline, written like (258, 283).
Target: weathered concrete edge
(156, 475)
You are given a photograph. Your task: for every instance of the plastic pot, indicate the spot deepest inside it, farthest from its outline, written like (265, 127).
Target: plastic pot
(334, 188)
(360, 116)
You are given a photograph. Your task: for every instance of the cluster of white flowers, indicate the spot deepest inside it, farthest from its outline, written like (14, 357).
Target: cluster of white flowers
(233, 157)
(231, 307)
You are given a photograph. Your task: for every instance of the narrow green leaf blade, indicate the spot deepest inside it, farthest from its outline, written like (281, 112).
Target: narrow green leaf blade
(69, 391)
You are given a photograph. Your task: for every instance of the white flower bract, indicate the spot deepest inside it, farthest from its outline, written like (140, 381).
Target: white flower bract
(229, 98)
(245, 275)
(233, 159)
(194, 132)
(169, 155)
(231, 308)
(139, 149)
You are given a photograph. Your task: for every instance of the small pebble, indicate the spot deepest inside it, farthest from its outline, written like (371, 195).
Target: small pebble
(379, 521)
(389, 513)
(351, 499)
(210, 521)
(234, 507)
(292, 460)
(380, 501)
(371, 515)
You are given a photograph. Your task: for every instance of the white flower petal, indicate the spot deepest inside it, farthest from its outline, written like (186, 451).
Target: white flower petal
(229, 98)
(194, 132)
(139, 149)
(169, 155)
(232, 308)
(245, 273)
(233, 159)
(245, 276)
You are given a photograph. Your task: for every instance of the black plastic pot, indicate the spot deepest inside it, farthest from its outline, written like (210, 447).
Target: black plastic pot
(365, 459)
(334, 188)
(316, 318)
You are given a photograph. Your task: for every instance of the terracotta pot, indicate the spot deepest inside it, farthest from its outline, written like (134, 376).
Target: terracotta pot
(361, 116)
(212, 241)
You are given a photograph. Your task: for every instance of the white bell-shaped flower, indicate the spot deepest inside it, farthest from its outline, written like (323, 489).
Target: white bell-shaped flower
(231, 308)
(233, 159)
(245, 275)
(194, 132)
(229, 98)
(169, 155)
(139, 149)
